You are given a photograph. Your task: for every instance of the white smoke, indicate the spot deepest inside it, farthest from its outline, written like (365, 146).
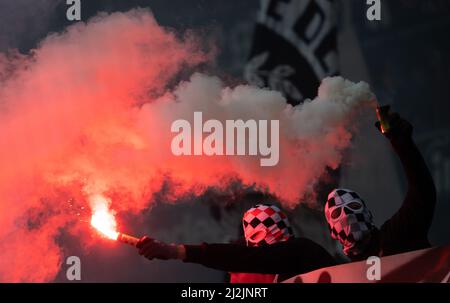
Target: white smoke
(313, 135)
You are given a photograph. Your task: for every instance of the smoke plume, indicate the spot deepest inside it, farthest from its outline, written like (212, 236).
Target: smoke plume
(89, 111)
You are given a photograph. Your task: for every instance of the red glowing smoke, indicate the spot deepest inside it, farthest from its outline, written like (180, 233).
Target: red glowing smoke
(68, 129)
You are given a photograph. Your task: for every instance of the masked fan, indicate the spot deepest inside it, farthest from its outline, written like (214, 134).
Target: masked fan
(263, 225)
(350, 221)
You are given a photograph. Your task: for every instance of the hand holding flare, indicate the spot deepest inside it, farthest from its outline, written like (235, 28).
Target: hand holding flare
(154, 249)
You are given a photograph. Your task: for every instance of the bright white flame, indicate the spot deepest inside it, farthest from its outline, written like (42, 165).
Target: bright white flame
(103, 218)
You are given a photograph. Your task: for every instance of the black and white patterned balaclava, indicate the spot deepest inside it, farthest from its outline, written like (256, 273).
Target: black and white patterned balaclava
(265, 224)
(349, 220)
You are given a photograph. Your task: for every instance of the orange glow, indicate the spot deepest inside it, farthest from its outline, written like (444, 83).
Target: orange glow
(103, 218)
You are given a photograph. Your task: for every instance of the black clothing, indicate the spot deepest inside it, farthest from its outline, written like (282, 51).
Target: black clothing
(407, 229)
(293, 257)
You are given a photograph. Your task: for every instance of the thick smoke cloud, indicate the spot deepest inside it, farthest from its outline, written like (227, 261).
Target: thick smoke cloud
(90, 111)
(68, 130)
(312, 136)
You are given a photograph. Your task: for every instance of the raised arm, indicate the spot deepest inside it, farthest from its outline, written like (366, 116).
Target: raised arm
(415, 215)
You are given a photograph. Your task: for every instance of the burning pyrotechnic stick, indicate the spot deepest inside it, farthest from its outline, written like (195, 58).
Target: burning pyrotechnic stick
(103, 220)
(124, 238)
(383, 116)
(105, 224)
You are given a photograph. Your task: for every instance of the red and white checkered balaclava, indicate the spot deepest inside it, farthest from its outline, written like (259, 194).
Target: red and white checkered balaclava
(265, 225)
(349, 220)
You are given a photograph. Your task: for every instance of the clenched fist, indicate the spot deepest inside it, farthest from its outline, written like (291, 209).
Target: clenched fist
(153, 249)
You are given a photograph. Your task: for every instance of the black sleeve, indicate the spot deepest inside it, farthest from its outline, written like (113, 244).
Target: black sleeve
(295, 256)
(408, 228)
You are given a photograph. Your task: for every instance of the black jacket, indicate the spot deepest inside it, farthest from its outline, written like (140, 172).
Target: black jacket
(292, 257)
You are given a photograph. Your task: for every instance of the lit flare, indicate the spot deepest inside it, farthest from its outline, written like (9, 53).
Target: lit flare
(104, 221)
